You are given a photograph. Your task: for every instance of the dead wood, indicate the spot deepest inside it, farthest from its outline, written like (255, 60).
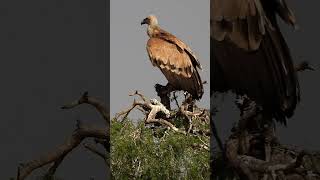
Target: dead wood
(264, 157)
(157, 113)
(253, 151)
(303, 66)
(56, 156)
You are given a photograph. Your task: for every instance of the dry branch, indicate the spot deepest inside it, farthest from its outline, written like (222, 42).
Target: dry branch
(153, 107)
(52, 170)
(265, 158)
(201, 146)
(82, 132)
(61, 151)
(303, 66)
(250, 167)
(166, 123)
(86, 99)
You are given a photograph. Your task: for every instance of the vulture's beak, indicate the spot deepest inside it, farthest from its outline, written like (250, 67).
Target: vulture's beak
(145, 21)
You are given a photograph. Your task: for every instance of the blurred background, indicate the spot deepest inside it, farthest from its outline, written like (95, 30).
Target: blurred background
(51, 52)
(303, 127)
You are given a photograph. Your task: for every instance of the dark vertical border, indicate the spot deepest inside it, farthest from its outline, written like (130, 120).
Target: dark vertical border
(51, 52)
(107, 59)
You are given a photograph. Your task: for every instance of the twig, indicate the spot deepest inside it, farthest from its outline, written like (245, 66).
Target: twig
(175, 99)
(152, 107)
(126, 112)
(52, 170)
(204, 143)
(140, 95)
(86, 99)
(142, 110)
(303, 66)
(201, 146)
(166, 123)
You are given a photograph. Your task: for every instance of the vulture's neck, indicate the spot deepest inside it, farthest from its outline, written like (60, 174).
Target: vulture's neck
(152, 30)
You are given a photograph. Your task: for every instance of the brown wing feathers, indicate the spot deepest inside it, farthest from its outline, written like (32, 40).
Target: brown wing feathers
(166, 56)
(176, 61)
(241, 21)
(180, 45)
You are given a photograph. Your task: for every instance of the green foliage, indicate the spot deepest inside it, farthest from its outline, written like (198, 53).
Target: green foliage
(139, 152)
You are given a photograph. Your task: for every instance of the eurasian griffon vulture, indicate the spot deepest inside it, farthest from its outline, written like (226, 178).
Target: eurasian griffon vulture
(250, 55)
(174, 58)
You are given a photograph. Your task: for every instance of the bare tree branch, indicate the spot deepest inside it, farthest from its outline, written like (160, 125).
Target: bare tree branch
(201, 146)
(58, 154)
(175, 99)
(86, 99)
(303, 66)
(152, 107)
(52, 170)
(126, 112)
(140, 95)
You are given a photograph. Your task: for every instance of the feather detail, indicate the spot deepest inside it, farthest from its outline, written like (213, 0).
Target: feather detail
(176, 61)
(250, 55)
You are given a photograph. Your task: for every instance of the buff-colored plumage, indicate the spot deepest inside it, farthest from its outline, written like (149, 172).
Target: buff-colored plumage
(174, 58)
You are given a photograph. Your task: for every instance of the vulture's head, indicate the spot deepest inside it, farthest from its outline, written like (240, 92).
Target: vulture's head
(151, 20)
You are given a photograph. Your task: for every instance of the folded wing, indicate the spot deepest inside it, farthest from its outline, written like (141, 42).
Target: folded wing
(250, 55)
(176, 61)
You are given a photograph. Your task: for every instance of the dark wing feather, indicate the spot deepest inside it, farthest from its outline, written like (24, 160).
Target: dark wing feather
(285, 13)
(251, 57)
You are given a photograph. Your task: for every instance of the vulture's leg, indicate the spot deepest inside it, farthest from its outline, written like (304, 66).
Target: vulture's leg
(164, 94)
(190, 102)
(266, 126)
(269, 136)
(248, 110)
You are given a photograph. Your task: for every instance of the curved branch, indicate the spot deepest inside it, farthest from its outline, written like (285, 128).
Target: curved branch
(86, 99)
(59, 153)
(152, 107)
(55, 166)
(126, 112)
(140, 95)
(303, 66)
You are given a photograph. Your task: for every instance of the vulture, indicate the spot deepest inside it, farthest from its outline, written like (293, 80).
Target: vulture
(250, 56)
(174, 58)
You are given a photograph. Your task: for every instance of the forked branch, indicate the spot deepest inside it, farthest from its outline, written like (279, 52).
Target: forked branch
(82, 132)
(157, 113)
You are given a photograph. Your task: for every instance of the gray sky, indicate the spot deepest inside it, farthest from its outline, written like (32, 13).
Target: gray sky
(303, 127)
(131, 68)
